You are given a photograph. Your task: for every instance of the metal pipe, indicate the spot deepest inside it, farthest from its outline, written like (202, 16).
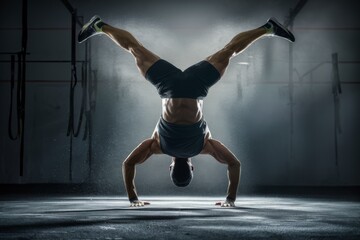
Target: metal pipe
(11, 53)
(45, 61)
(291, 97)
(336, 90)
(36, 29)
(73, 82)
(23, 82)
(293, 12)
(12, 84)
(289, 22)
(70, 8)
(90, 98)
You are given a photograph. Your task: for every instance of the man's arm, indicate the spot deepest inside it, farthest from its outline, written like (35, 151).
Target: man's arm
(225, 156)
(139, 155)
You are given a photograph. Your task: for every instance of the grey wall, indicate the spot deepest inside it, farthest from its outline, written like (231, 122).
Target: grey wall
(248, 110)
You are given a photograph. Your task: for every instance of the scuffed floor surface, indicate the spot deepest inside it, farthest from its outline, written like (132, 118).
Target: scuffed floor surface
(178, 218)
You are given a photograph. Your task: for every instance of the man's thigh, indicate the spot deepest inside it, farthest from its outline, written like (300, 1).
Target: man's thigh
(220, 60)
(144, 58)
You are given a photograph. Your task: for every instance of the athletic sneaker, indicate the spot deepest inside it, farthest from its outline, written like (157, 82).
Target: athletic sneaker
(277, 29)
(92, 28)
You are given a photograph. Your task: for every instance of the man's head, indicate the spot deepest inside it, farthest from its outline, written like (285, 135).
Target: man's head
(181, 171)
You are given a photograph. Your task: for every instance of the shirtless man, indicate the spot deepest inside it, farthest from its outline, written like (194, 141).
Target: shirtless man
(182, 132)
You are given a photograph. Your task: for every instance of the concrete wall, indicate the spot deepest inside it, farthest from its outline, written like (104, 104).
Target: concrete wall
(248, 109)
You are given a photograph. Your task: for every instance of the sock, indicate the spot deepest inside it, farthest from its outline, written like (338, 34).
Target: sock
(98, 25)
(269, 28)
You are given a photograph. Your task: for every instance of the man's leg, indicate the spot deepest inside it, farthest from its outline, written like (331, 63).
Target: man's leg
(143, 57)
(220, 60)
(240, 42)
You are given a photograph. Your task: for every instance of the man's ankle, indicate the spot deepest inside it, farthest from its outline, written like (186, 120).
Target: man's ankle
(269, 28)
(99, 25)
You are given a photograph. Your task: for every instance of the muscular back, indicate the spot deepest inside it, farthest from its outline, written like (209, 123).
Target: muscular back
(182, 110)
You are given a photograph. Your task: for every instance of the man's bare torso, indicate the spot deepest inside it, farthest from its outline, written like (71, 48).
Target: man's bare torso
(185, 111)
(182, 110)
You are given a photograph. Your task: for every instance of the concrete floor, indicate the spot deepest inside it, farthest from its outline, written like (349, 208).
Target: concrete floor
(178, 218)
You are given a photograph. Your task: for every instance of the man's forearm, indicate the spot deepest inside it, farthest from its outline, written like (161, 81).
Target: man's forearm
(225, 156)
(234, 178)
(137, 156)
(129, 180)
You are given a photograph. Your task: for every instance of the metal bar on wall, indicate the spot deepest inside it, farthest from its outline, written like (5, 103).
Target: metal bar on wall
(23, 81)
(289, 22)
(291, 98)
(72, 85)
(88, 108)
(336, 90)
(71, 10)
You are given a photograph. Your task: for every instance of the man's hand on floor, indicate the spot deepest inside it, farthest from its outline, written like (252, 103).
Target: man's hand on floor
(138, 203)
(226, 203)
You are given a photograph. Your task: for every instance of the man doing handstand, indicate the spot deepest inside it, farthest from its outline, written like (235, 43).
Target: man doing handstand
(182, 131)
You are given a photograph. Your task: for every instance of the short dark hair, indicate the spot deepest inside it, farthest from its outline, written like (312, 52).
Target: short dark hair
(181, 172)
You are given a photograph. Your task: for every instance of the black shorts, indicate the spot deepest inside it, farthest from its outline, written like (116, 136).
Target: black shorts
(171, 82)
